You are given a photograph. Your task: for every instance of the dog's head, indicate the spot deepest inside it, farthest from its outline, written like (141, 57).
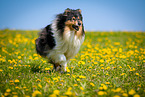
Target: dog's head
(73, 19)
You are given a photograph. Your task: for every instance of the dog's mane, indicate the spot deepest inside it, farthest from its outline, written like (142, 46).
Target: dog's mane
(61, 19)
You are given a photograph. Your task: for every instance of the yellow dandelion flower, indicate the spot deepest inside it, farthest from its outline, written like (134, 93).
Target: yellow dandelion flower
(1, 70)
(102, 67)
(95, 62)
(17, 87)
(78, 80)
(100, 88)
(15, 96)
(139, 85)
(107, 74)
(107, 68)
(131, 92)
(11, 81)
(10, 67)
(19, 57)
(136, 95)
(100, 93)
(136, 73)
(56, 92)
(116, 96)
(6, 94)
(133, 69)
(35, 93)
(70, 88)
(40, 86)
(69, 93)
(24, 87)
(63, 96)
(102, 61)
(35, 55)
(14, 93)
(81, 62)
(81, 76)
(52, 95)
(27, 96)
(27, 89)
(92, 84)
(104, 87)
(125, 94)
(107, 83)
(16, 81)
(94, 75)
(115, 50)
(118, 89)
(120, 50)
(36, 58)
(8, 90)
(81, 88)
(67, 69)
(75, 84)
(123, 74)
(30, 57)
(47, 68)
(116, 43)
(44, 61)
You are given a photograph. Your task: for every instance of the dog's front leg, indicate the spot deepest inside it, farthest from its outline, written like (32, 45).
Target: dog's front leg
(63, 66)
(61, 60)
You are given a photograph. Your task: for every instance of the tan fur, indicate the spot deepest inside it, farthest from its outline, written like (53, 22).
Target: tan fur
(79, 33)
(69, 24)
(70, 28)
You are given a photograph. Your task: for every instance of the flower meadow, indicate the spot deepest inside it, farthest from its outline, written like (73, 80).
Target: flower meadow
(109, 64)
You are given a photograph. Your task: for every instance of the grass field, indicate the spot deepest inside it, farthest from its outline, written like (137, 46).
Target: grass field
(109, 64)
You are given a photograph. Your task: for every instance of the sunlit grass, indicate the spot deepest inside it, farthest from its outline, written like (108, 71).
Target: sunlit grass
(109, 64)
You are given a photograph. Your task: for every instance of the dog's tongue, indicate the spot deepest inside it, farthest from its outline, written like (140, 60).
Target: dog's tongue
(75, 27)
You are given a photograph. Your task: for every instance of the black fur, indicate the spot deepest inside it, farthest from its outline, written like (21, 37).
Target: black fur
(83, 32)
(49, 38)
(61, 23)
(45, 42)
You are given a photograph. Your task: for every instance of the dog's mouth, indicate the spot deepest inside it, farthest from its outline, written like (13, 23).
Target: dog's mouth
(75, 27)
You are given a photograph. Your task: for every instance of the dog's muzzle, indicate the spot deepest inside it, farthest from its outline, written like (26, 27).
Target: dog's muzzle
(76, 27)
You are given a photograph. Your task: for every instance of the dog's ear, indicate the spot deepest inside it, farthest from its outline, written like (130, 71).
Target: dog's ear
(79, 11)
(66, 11)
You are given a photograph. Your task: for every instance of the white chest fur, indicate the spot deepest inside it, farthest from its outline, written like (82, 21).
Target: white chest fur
(72, 44)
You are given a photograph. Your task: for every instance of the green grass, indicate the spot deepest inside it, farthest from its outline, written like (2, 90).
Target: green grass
(108, 64)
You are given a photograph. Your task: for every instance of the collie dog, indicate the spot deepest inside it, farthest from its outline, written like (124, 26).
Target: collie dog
(61, 40)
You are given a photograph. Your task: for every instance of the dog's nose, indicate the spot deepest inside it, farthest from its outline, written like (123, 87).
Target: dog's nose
(79, 23)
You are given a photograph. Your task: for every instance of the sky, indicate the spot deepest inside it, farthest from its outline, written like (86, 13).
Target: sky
(98, 15)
